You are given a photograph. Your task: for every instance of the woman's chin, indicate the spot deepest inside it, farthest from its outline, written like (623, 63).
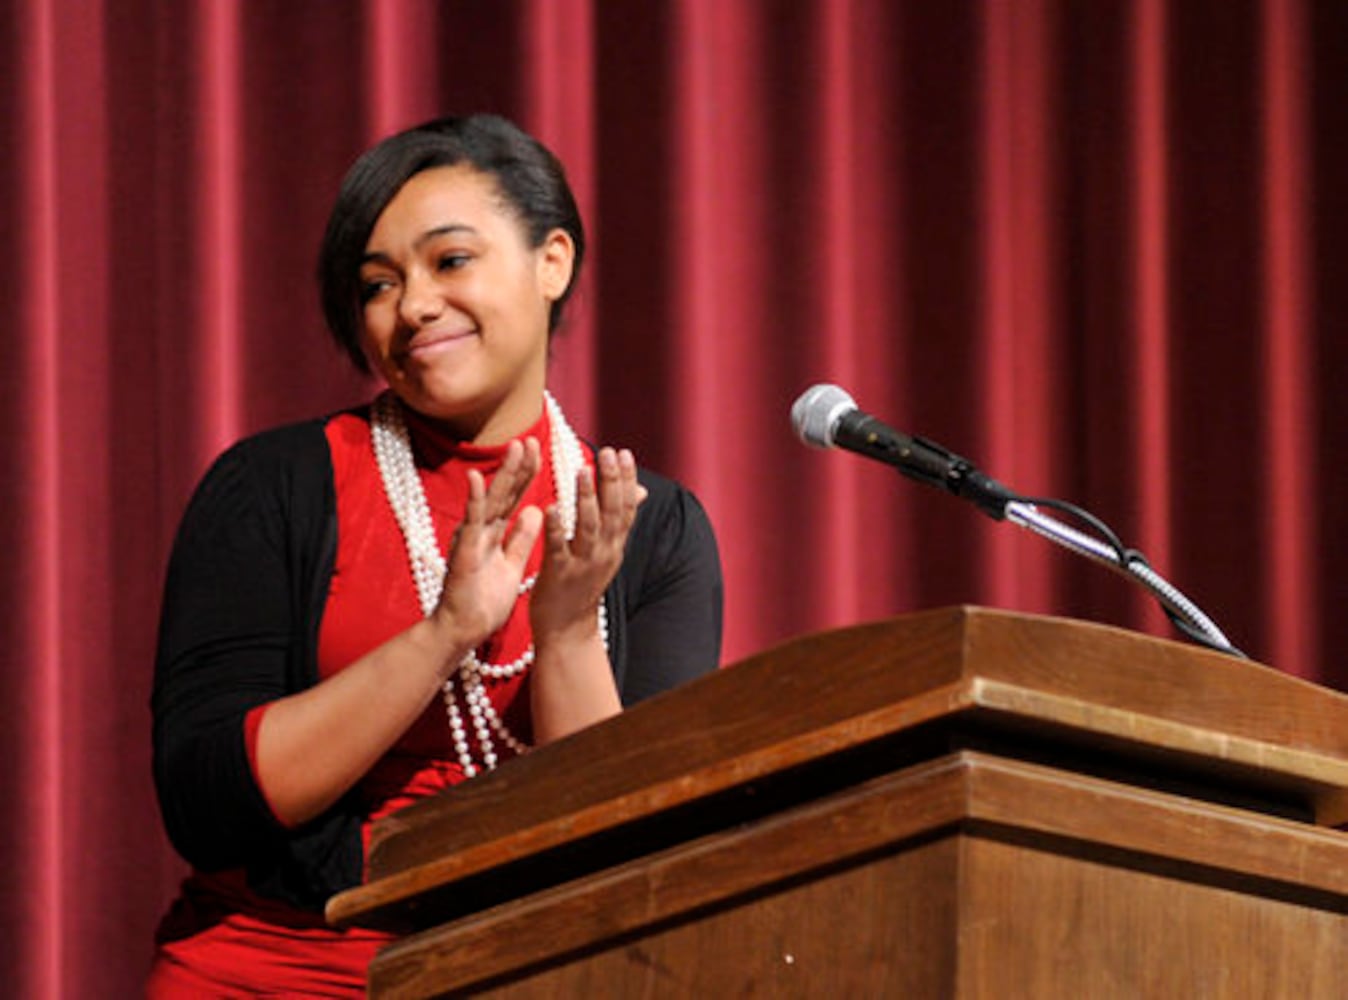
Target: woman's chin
(434, 388)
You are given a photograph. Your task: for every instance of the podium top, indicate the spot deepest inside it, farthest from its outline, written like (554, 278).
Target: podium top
(1045, 680)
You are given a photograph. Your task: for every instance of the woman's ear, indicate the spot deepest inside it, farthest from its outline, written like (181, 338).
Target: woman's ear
(556, 262)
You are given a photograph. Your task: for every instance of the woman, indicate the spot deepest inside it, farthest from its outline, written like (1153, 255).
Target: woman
(322, 661)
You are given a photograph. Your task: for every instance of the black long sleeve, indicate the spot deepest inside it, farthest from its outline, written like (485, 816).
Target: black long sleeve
(234, 635)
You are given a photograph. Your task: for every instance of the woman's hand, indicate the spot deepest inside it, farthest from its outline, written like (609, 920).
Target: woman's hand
(575, 573)
(312, 746)
(486, 561)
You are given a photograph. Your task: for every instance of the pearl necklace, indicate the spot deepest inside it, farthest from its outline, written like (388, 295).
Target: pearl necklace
(407, 497)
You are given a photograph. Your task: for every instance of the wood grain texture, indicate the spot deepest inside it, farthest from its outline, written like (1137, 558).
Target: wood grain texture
(1036, 923)
(1071, 684)
(961, 877)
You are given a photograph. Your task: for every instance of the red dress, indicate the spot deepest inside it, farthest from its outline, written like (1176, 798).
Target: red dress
(221, 939)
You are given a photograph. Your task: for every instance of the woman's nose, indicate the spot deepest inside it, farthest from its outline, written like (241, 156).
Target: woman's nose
(421, 301)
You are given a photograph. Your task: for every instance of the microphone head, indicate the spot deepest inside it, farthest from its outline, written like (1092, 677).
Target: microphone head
(817, 412)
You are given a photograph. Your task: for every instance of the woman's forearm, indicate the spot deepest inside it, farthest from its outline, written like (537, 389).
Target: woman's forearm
(571, 684)
(315, 745)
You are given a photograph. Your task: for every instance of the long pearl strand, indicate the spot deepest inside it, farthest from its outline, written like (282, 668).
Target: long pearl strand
(407, 497)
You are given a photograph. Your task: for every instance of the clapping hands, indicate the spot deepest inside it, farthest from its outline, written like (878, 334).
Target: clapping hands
(488, 556)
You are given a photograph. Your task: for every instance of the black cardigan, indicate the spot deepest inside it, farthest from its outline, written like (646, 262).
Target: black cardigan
(246, 587)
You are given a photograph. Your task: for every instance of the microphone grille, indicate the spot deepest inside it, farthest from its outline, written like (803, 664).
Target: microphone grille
(816, 413)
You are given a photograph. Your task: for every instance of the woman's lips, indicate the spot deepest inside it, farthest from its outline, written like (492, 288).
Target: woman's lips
(434, 342)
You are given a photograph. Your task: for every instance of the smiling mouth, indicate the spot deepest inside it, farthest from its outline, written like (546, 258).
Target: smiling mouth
(424, 343)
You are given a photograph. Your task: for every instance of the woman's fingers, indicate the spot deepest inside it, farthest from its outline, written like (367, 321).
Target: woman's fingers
(587, 514)
(618, 492)
(576, 571)
(489, 554)
(490, 506)
(631, 492)
(521, 464)
(609, 493)
(606, 504)
(520, 542)
(469, 532)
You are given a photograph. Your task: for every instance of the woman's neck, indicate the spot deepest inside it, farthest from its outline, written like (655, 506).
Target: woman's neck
(495, 427)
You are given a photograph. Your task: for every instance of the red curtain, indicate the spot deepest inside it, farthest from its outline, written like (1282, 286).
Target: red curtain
(1095, 246)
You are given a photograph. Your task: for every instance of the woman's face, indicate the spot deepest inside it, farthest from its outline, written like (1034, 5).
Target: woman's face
(455, 313)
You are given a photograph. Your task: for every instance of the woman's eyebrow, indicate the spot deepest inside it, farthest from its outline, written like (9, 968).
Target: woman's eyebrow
(377, 256)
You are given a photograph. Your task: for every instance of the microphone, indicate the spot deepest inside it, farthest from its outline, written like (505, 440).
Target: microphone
(825, 416)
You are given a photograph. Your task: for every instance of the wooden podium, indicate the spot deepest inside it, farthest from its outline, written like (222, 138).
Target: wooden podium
(958, 803)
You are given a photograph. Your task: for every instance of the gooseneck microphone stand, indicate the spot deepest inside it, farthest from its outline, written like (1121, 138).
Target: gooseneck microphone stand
(1182, 612)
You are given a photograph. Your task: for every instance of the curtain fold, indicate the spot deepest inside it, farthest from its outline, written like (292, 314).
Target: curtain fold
(1288, 437)
(1096, 247)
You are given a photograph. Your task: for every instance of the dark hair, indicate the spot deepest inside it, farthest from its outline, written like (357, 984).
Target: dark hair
(532, 183)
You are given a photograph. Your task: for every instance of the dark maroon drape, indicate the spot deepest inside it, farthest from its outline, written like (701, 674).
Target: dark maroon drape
(1099, 247)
